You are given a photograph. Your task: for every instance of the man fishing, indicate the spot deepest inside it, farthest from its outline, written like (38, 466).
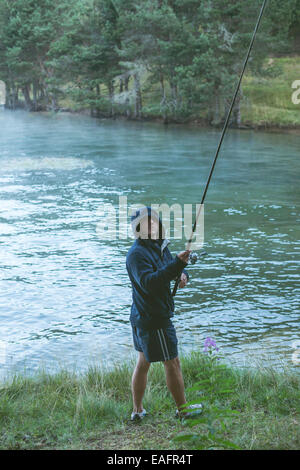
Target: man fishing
(151, 268)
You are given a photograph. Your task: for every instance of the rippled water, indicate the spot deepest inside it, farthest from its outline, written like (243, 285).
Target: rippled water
(65, 296)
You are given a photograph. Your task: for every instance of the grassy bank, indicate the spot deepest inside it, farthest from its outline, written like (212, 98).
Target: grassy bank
(91, 411)
(266, 102)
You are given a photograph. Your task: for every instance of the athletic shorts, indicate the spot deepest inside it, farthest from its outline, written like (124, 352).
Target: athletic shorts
(157, 345)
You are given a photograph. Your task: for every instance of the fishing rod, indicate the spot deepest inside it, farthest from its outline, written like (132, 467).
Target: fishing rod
(192, 256)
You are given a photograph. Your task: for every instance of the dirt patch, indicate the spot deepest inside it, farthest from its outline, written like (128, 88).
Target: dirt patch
(140, 436)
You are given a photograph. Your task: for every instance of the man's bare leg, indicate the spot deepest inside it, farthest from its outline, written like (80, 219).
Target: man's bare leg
(139, 382)
(175, 381)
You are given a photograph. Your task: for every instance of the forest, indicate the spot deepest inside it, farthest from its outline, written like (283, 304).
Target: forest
(176, 60)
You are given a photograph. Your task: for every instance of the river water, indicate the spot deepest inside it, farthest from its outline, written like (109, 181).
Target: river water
(65, 296)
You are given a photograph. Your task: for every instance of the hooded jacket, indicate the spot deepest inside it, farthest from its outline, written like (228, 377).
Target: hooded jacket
(151, 268)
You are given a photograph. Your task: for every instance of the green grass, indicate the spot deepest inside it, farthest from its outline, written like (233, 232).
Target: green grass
(268, 102)
(91, 411)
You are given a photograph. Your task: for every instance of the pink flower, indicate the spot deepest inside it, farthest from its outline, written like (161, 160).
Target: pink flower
(210, 344)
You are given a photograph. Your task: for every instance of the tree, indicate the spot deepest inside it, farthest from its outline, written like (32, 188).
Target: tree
(85, 55)
(110, 55)
(27, 30)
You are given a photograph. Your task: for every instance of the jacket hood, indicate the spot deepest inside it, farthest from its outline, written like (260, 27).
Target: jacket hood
(139, 214)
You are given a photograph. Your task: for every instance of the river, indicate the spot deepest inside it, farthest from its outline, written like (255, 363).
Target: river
(65, 296)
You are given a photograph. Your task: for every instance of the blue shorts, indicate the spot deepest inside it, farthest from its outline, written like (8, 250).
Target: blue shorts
(157, 345)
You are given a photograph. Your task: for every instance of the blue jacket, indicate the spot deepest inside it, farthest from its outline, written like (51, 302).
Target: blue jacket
(151, 268)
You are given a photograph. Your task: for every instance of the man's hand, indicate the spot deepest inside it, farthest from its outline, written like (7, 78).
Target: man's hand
(183, 281)
(184, 256)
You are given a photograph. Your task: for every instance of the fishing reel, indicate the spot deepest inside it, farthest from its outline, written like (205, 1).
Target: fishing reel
(193, 258)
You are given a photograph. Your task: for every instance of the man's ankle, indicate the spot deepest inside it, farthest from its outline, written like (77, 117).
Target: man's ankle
(182, 408)
(137, 409)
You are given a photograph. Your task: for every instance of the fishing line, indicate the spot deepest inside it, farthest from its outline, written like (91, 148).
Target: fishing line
(222, 136)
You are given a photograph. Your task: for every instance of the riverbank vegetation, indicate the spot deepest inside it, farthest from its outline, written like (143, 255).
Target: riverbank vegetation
(92, 410)
(172, 60)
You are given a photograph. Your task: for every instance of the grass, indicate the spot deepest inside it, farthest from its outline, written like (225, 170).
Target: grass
(92, 410)
(268, 102)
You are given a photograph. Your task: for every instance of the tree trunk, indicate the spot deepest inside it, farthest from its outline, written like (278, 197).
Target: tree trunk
(17, 96)
(174, 96)
(127, 103)
(111, 97)
(126, 82)
(12, 96)
(237, 115)
(138, 96)
(54, 105)
(42, 92)
(49, 95)
(34, 96)
(98, 94)
(217, 109)
(163, 107)
(14, 92)
(92, 108)
(8, 102)
(26, 93)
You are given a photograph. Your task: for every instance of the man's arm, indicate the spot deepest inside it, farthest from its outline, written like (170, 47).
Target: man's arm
(171, 257)
(142, 271)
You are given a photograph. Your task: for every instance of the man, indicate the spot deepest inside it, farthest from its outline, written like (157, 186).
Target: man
(151, 268)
